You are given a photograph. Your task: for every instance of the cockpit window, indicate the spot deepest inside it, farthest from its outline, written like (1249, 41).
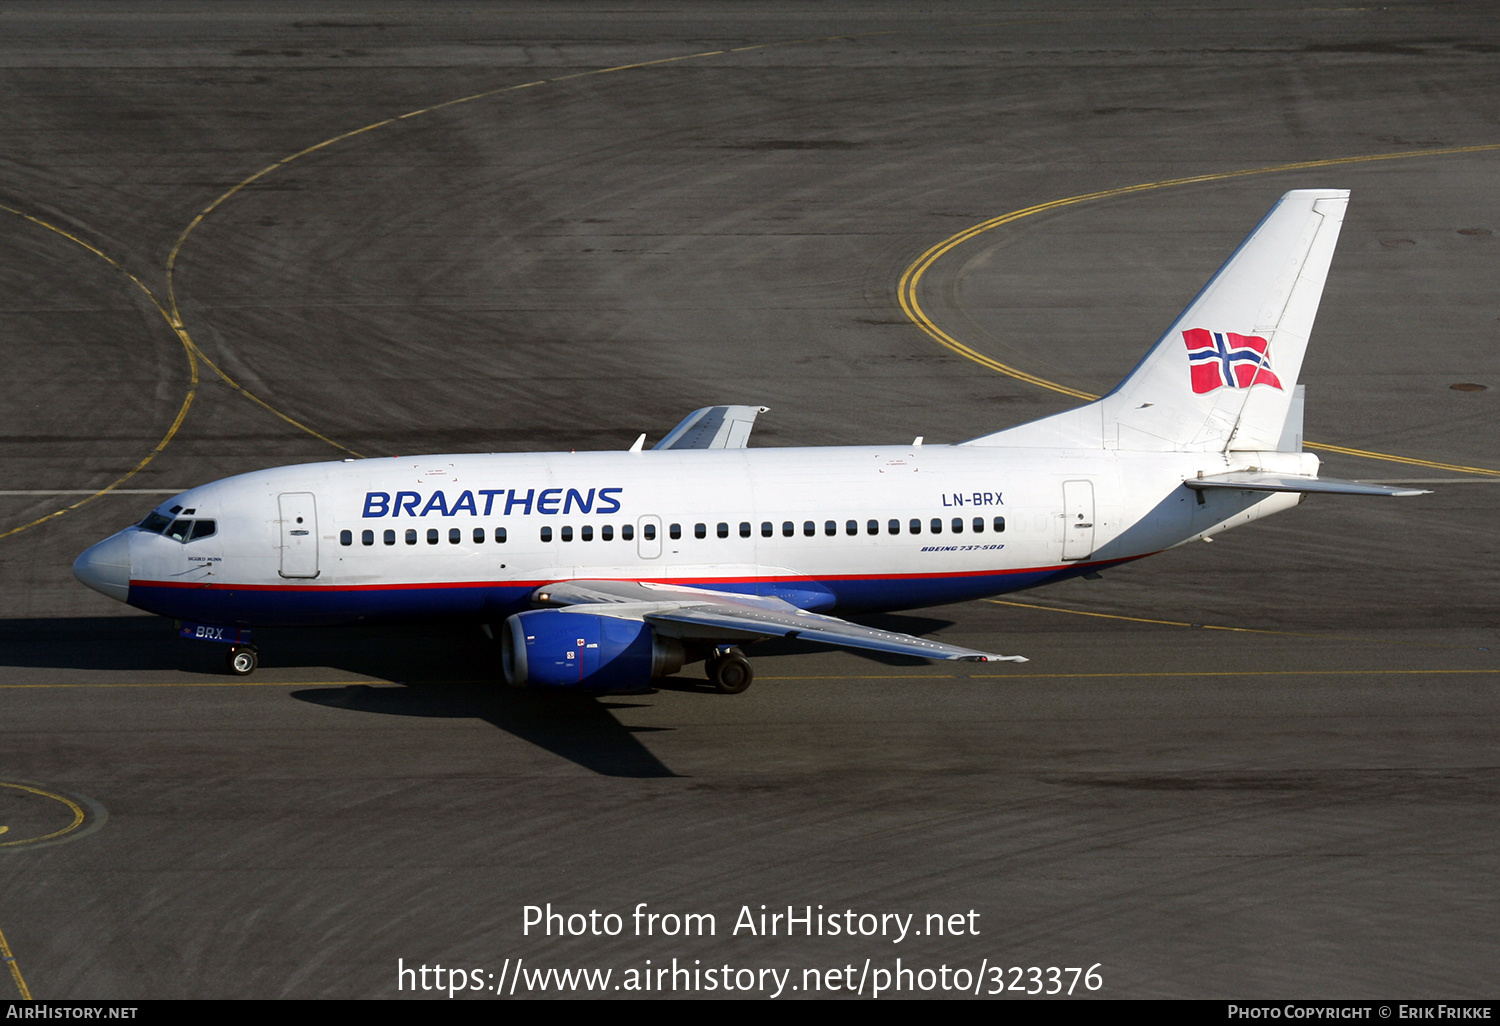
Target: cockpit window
(182, 529)
(154, 522)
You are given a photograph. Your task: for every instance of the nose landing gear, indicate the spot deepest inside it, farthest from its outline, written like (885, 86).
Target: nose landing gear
(243, 659)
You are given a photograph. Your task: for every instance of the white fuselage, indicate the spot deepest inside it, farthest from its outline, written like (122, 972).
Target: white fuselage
(856, 528)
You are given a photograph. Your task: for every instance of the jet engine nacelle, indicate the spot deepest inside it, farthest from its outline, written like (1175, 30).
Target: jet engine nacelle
(559, 649)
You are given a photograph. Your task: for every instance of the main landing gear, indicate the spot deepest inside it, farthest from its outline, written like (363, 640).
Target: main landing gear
(729, 671)
(243, 659)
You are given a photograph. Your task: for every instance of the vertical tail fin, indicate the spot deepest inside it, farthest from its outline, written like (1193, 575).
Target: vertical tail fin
(1223, 376)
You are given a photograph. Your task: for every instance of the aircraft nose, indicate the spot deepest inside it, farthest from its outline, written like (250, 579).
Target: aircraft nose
(106, 567)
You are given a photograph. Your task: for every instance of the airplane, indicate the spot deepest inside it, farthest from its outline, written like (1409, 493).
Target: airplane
(606, 570)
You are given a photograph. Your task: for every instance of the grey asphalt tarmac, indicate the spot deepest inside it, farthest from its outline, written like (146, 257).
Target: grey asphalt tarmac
(1264, 767)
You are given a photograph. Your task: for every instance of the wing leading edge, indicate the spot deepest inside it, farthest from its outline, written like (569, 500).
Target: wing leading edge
(699, 614)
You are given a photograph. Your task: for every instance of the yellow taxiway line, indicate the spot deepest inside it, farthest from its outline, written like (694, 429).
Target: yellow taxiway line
(15, 968)
(182, 410)
(73, 807)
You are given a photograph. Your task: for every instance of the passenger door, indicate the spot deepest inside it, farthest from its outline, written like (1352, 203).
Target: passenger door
(299, 534)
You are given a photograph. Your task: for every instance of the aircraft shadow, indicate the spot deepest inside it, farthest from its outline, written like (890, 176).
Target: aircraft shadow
(444, 671)
(96, 643)
(578, 728)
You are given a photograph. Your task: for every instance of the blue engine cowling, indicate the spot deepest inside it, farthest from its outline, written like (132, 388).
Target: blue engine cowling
(558, 649)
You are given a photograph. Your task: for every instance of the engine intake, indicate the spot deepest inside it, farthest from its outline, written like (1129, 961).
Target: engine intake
(558, 649)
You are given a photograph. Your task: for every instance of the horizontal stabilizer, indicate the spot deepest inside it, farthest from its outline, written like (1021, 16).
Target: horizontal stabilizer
(713, 427)
(1259, 481)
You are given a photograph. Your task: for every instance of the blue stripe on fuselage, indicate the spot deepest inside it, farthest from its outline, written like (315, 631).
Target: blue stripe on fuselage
(311, 605)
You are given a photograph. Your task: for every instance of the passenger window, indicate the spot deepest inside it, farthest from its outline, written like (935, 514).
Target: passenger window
(893, 527)
(937, 526)
(649, 530)
(788, 529)
(809, 528)
(766, 529)
(675, 531)
(346, 537)
(723, 530)
(745, 529)
(478, 536)
(627, 532)
(916, 526)
(700, 530)
(546, 534)
(390, 537)
(411, 536)
(607, 533)
(958, 525)
(180, 528)
(202, 529)
(872, 527)
(432, 536)
(455, 536)
(851, 527)
(979, 525)
(500, 536)
(586, 533)
(365, 537)
(830, 527)
(999, 524)
(567, 533)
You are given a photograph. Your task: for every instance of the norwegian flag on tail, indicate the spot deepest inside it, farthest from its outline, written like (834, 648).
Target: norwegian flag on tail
(1223, 359)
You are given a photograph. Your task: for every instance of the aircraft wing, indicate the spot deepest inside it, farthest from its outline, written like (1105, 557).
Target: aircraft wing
(697, 613)
(1261, 481)
(713, 427)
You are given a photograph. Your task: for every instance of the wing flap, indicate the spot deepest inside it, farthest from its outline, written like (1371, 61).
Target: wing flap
(814, 627)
